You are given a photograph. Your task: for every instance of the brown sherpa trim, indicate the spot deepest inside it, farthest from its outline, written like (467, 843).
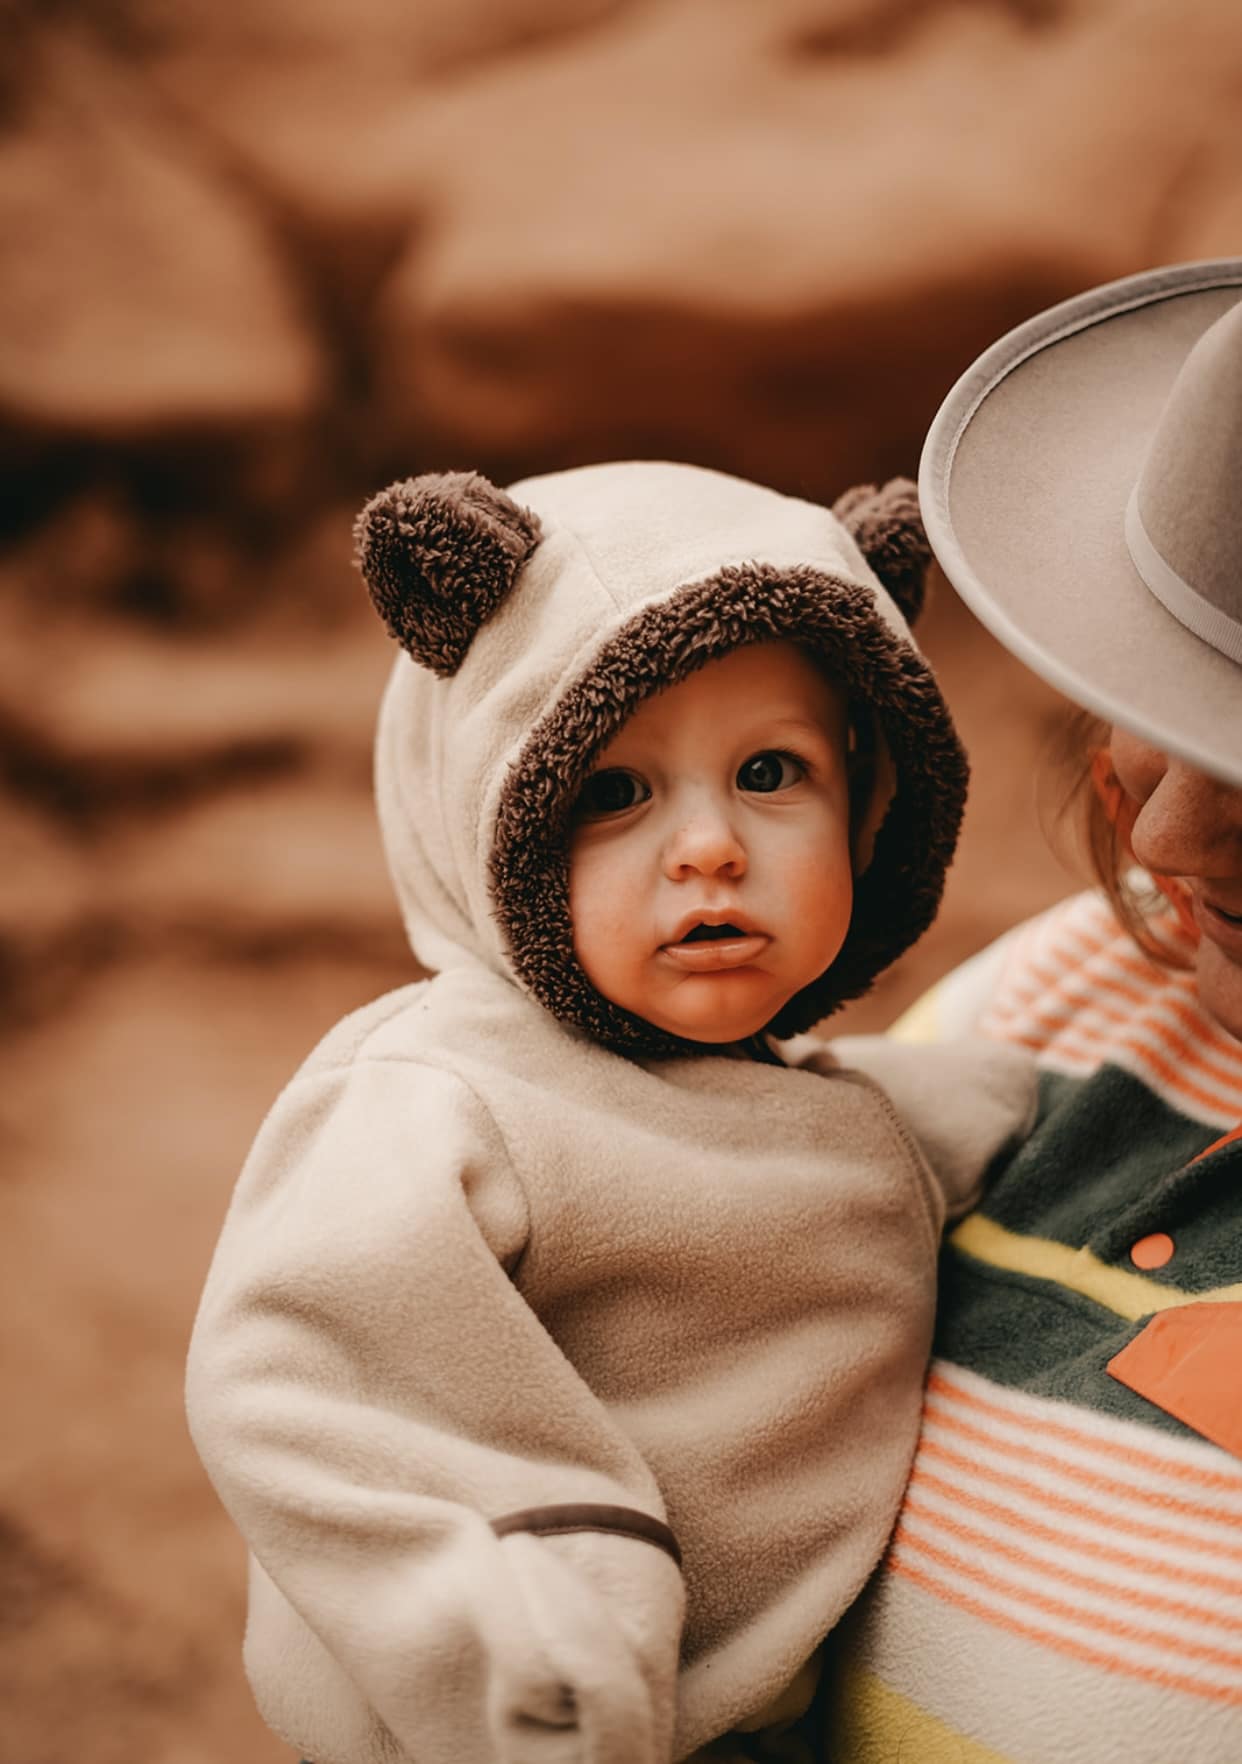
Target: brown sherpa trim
(439, 554)
(839, 623)
(887, 527)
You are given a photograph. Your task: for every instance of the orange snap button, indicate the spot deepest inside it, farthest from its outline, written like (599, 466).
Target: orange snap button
(1152, 1252)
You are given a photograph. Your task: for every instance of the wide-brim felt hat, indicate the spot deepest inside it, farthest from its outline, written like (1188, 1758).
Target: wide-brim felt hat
(1081, 487)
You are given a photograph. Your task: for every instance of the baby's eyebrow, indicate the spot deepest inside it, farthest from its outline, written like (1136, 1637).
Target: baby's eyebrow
(795, 725)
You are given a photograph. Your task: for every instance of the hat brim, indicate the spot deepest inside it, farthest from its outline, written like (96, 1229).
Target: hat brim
(1024, 482)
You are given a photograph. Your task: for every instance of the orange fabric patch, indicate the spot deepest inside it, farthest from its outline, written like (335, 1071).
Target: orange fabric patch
(1217, 1144)
(1188, 1361)
(1155, 1251)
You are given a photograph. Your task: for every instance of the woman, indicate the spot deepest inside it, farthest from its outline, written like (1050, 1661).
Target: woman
(1065, 1583)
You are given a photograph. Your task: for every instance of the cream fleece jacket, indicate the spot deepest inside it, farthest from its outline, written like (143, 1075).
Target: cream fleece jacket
(478, 1263)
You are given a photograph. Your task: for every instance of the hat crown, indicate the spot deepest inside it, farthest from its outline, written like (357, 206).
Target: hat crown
(1184, 523)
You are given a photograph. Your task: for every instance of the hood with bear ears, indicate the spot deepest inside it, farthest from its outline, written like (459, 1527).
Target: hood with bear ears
(535, 620)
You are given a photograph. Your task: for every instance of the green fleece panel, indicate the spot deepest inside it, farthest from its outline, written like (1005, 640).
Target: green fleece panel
(1032, 1333)
(1036, 1336)
(1135, 1145)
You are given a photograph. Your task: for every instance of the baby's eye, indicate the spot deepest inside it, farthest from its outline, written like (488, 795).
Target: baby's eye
(770, 771)
(611, 792)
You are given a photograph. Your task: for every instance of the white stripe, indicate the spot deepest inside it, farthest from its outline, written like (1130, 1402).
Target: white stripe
(1095, 979)
(1073, 1060)
(1160, 1036)
(1208, 621)
(1156, 1576)
(1153, 1656)
(1208, 1461)
(1102, 1529)
(1105, 1600)
(1073, 1457)
(1067, 1052)
(1188, 1044)
(1114, 1508)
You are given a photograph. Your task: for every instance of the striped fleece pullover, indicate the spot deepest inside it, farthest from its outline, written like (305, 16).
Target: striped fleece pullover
(1065, 1582)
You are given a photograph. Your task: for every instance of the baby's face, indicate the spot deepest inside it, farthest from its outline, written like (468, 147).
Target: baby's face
(710, 868)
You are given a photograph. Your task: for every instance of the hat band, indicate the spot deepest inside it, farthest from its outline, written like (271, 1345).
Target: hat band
(1190, 608)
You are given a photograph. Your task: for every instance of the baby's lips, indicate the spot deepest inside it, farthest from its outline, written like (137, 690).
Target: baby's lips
(718, 955)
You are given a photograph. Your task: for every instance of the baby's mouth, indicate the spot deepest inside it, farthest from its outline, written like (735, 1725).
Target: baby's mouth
(711, 949)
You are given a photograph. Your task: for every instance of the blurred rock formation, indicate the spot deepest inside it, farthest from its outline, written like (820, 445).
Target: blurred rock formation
(261, 257)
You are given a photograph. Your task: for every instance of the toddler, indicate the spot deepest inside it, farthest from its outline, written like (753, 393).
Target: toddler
(561, 1359)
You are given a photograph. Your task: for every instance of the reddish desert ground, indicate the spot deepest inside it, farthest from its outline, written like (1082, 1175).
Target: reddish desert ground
(261, 260)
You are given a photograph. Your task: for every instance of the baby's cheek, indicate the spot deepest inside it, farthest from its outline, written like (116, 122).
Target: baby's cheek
(821, 902)
(600, 906)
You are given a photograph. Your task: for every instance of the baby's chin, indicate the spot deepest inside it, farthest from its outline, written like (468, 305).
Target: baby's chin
(716, 1028)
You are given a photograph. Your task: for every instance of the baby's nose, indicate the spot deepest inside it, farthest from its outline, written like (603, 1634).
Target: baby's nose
(705, 843)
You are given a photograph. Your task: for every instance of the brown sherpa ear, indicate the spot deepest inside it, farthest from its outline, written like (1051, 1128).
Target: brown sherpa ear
(438, 554)
(887, 527)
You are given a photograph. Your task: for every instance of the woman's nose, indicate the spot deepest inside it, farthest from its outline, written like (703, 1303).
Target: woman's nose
(1189, 825)
(704, 843)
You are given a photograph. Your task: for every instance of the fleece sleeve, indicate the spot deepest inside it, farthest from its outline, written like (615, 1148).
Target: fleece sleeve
(369, 1390)
(963, 1103)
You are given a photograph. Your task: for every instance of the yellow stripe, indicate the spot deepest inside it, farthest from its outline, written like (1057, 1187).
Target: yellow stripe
(1129, 1295)
(871, 1724)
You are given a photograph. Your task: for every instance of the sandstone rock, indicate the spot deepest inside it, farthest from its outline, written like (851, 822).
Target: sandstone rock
(103, 702)
(288, 865)
(143, 292)
(123, 1129)
(769, 238)
(188, 568)
(45, 878)
(314, 100)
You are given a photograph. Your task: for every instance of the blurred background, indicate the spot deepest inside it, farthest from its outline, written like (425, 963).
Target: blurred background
(259, 259)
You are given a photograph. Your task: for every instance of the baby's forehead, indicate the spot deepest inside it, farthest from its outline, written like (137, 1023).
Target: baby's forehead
(771, 684)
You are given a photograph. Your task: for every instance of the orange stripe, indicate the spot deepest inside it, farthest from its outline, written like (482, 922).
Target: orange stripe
(1174, 1081)
(1086, 1478)
(1190, 1014)
(989, 1545)
(1077, 990)
(1154, 1062)
(941, 1385)
(1086, 986)
(1086, 966)
(1076, 1650)
(1082, 1546)
(1087, 980)
(1179, 1044)
(1121, 952)
(1043, 1497)
(1132, 961)
(1093, 937)
(1153, 1638)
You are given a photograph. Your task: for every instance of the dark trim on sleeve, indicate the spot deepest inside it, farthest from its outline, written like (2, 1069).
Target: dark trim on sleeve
(590, 1516)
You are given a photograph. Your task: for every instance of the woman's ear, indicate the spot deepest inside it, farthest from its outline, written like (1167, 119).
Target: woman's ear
(887, 527)
(439, 554)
